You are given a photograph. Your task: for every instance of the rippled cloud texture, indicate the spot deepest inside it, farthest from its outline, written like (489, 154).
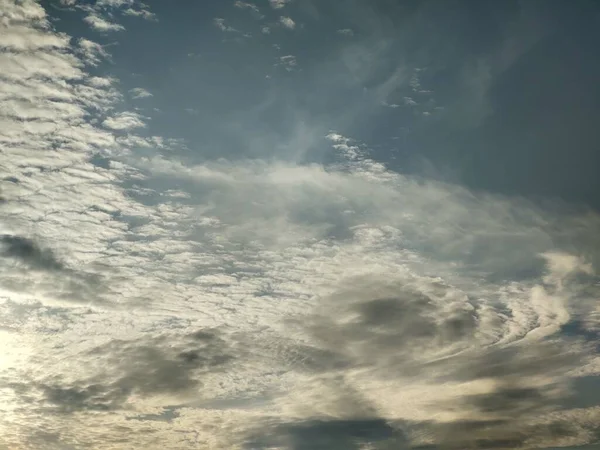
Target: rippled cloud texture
(233, 249)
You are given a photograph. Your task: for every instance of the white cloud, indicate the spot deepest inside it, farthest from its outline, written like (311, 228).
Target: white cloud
(115, 3)
(20, 38)
(245, 5)
(143, 13)
(124, 121)
(100, 12)
(137, 93)
(99, 23)
(288, 62)
(92, 52)
(287, 22)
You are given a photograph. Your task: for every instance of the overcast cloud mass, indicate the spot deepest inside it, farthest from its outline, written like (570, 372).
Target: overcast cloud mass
(299, 224)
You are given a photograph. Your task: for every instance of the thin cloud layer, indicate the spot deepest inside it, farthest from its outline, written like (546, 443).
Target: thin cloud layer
(151, 296)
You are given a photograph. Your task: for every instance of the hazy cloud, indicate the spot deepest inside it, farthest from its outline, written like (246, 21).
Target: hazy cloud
(345, 32)
(220, 24)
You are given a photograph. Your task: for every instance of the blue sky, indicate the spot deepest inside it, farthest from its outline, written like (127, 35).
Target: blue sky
(299, 225)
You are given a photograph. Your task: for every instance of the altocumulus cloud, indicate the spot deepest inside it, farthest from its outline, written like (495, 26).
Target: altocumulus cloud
(150, 301)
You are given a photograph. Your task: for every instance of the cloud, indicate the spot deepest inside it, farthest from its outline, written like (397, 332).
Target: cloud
(143, 13)
(168, 364)
(287, 22)
(124, 121)
(278, 4)
(288, 62)
(27, 251)
(92, 52)
(220, 24)
(99, 23)
(244, 5)
(137, 93)
(345, 32)
(330, 434)
(115, 3)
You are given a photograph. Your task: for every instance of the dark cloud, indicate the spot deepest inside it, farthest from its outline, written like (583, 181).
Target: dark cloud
(387, 327)
(330, 434)
(29, 252)
(496, 434)
(163, 365)
(381, 322)
(524, 360)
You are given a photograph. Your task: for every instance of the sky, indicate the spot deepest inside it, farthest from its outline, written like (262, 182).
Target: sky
(299, 225)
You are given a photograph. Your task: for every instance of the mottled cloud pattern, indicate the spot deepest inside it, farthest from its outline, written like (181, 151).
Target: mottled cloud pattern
(299, 294)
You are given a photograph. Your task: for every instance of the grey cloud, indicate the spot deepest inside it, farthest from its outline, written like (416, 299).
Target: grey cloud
(163, 365)
(331, 434)
(493, 435)
(28, 252)
(387, 323)
(390, 328)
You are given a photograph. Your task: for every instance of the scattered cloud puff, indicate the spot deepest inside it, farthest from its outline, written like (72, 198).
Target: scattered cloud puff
(137, 93)
(408, 101)
(287, 22)
(288, 62)
(245, 5)
(100, 14)
(220, 24)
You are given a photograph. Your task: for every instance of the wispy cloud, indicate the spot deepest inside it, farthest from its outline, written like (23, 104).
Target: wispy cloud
(124, 121)
(92, 52)
(143, 13)
(278, 4)
(345, 32)
(289, 62)
(101, 13)
(137, 93)
(245, 5)
(99, 23)
(221, 25)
